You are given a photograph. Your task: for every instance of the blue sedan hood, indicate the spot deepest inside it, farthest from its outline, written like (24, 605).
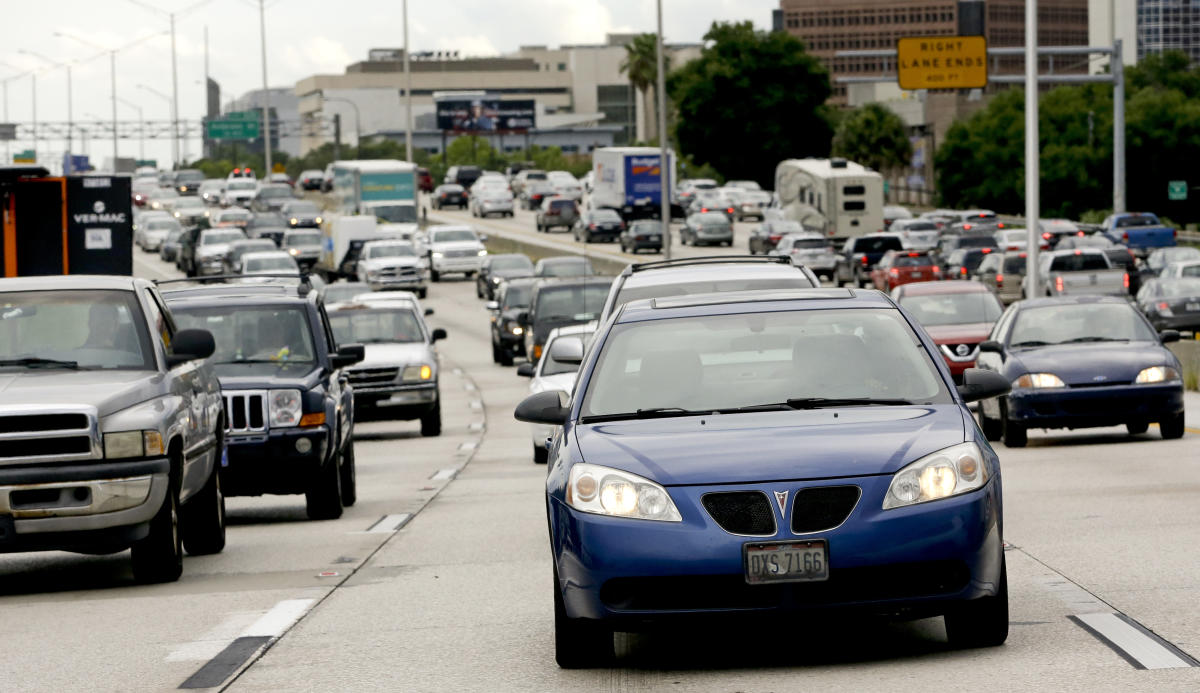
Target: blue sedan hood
(1082, 364)
(772, 446)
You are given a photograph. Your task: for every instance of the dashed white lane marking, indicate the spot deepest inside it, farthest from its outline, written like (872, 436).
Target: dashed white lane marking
(1131, 640)
(278, 619)
(476, 404)
(211, 643)
(389, 523)
(476, 426)
(444, 474)
(469, 445)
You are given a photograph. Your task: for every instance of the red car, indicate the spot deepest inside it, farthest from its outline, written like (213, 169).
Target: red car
(424, 180)
(899, 267)
(958, 315)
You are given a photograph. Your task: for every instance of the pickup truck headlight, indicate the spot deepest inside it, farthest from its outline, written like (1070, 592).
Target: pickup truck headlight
(605, 491)
(283, 408)
(132, 444)
(482, 253)
(955, 470)
(1038, 381)
(437, 255)
(417, 373)
(1157, 374)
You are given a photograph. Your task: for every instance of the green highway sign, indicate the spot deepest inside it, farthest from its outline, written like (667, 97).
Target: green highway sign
(232, 129)
(146, 162)
(241, 115)
(27, 156)
(1177, 190)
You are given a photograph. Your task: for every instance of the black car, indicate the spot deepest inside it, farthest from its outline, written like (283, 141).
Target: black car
(1171, 303)
(188, 180)
(311, 179)
(301, 214)
(858, 257)
(449, 195)
(642, 235)
(274, 234)
(963, 263)
(560, 302)
(563, 266)
(949, 243)
(602, 224)
(464, 176)
(289, 412)
(497, 268)
(765, 236)
(512, 300)
(271, 197)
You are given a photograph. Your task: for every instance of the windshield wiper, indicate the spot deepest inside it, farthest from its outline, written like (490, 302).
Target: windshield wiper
(1078, 340)
(35, 362)
(826, 402)
(1031, 343)
(281, 362)
(652, 413)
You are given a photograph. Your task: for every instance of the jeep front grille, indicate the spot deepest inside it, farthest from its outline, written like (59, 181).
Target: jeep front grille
(246, 412)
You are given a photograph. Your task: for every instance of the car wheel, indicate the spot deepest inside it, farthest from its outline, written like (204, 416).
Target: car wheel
(434, 276)
(1014, 434)
(431, 423)
(323, 499)
(506, 357)
(992, 429)
(1137, 427)
(204, 516)
(540, 454)
(349, 476)
(579, 643)
(981, 622)
(159, 556)
(1172, 428)
(422, 292)
(478, 291)
(495, 353)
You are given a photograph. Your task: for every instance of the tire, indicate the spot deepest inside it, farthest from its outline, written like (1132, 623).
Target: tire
(434, 276)
(495, 353)
(1137, 427)
(540, 454)
(506, 358)
(579, 643)
(478, 291)
(431, 423)
(992, 429)
(204, 518)
(981, 622)
(421, 293)
(1172, 428)
(349, 476)
(159, 556)
(1014, 434)
(323, 499)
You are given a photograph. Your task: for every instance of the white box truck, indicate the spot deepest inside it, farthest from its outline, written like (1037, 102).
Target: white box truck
(628, 180)
(383, 188)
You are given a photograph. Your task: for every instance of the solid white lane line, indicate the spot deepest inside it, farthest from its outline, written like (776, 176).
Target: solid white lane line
(469, 445)
(1143, 649)
(279, 618)
(217, 638)
(389, 523)
(444, 474)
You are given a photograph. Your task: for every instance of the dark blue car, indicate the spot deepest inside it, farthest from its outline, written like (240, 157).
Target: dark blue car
(1080, 362)
(765, 452)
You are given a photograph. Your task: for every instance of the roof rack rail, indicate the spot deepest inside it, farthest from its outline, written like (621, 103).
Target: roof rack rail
(304, 279)
(711, 260)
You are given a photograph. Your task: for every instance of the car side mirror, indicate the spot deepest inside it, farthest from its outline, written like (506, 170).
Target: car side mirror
(190, 345)
(428, 311)
(525, 370)
(991, 346)
(1167, 336)
(550, 407)
(493, 306)
(348, 355)
(483, 238)
(567, 350)
(437, 335)
(980, 384)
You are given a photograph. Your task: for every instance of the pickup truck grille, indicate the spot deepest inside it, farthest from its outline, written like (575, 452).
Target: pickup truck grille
(461, 253)
(245, 412)
(67, 435)
(402, 272)
(372, 377)
(29, 423)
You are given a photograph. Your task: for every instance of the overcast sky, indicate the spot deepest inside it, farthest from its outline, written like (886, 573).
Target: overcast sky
(304, 37)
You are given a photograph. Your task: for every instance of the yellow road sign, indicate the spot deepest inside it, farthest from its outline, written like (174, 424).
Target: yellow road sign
(942, 62)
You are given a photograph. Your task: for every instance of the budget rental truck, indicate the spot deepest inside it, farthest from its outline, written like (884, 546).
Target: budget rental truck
(628, 180)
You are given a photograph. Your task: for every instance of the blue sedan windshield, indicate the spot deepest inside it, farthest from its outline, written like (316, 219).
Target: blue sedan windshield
(1079, 322)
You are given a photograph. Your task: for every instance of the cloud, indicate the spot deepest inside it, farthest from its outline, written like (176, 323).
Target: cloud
(319, 54)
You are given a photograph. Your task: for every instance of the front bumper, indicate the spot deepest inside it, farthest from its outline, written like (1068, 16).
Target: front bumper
(93, 508)
(210, 266)
(1178, 322)
(914, 561)
(1089, 407)
(457, 264)
(398, 401)
(494, 207)
(270, 462)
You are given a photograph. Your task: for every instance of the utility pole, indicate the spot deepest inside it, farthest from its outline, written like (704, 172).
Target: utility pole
(67, 162)
(1032, 167)
(262, 31)
(174, 98)
(1118, 75)
(664, 164)
(141, 127)
(408, 133)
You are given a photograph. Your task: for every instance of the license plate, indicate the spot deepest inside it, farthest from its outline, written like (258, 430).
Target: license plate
(916, 275)
(788, 561)
(1192, 307)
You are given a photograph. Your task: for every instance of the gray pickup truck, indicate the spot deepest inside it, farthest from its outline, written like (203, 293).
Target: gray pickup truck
(1081, 271)
(111, 433)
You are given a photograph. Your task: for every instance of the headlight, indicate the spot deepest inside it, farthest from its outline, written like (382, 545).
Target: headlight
(482, 253)
(293, 251)
(950, 472)
(413, 374)
(437, 255)
(497, 280)
(294, 220)
(132, 444)
(283, 408)
(176, 215)
(1157, 374)
(516, 329)
(318, 220)
(1038, 381)
(206, 212)
(605, 491)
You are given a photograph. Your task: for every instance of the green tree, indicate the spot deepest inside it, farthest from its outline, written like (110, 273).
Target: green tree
(641, 65)
(751, 99)
(874, 136)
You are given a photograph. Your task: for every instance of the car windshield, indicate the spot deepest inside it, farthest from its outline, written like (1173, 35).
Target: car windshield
(517, 296)
(451, 188)
(1182, 287)
(550, 366)
(1189, 271)
(215, 237)
(1140, 220)
(1014, 264)
(570, 268)
(981, 241)
(535, 175)
(722, 362)
(953, 309)
(252, 246)
(514, 262)
(1161, 258)
(235, 216)
(189, 176)
(241, 185)
(809, 243)
(275, 191)
(268, 219)
(917, 226)
(972, 260)
(794, 280)
(913, 260)
(785, 227)
(281, 263)
(396, 214)
(85, 329)
(1078, 322)
(605, 215)
(251, 333)
(376, 326)
(302, 208)
(1079, 262)
(193, 202)
(391, 250)
(344, 291)
(295, 239)
(452, 236)
(713, 220)
(570, 303)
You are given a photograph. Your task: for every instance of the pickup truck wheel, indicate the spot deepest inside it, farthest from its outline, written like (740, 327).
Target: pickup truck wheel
(434, 276)
(431, 423)
(204, 518)
(349, 476)
(1172, 428)
(159, 557)
(323, 499)
(422, 292)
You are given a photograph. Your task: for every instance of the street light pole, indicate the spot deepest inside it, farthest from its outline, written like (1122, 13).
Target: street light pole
(141, 128)
(4, 83)
(174, 97)
(664, 164)
(262, 36)
(408, 133)
(357, 121)
(68, 164)
(1032, 165)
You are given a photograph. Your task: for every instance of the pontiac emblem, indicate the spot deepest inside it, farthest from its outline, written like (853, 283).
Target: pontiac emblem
(781, 499)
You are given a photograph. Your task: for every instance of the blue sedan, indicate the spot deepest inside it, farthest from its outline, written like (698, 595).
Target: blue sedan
(755, 453)
(1080, 362)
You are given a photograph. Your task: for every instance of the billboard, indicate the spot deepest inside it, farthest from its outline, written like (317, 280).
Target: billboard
(486, 114)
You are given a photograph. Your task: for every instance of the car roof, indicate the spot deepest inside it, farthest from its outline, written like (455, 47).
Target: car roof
(953, 286)
(764, 300)
(550, 282)
(266, 254)
(563, 259)
(359, 303)
(97, 282)
(1068, 300)
(570, 330)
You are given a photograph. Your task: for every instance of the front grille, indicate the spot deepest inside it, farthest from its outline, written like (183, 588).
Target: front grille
(28, 423)
(821, 508)
(399, 272)
(461, 253)
(741, 512)
(245, 412)
(372, 377)
(34, 447)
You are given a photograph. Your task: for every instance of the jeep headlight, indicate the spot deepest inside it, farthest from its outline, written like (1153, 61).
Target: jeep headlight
(417, 373)
(132, 444)
(283, 408)
(605, 491)
(955, 470)
(1157, 374)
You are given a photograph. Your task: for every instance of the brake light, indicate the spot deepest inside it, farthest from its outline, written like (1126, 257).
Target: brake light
(1174, 233)
(864, 259)
(986, 250)
(914, 254)
(704, 209)
(1046, 235)
(1022, 256)
(1125, 236)
(1079, 252)
(894, 272)
(730, 210)
(592, 227)
(966, 227)
(1000, 225)
(1164, 306)
(999, 279)
(622, 225)
(1058, 284)
(1079, 233)
(962, 271)
(775, 237)
(1125, 280)
(937, 270)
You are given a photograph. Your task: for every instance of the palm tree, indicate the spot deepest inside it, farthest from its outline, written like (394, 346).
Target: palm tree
(641, 64)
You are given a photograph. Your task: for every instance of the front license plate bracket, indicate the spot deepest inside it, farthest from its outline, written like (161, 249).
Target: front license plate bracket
(785, 561)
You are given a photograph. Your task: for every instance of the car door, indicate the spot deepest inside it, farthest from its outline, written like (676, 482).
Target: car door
(340, 393)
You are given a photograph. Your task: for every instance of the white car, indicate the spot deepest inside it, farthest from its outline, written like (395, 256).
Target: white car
(454, 249)
(743, 185)
(750, 203)
(270, 262)
(392, 264)
(212, 247)
(211, 190)
(565, 185)
(491, 196)
(916, 234)
(239, 192)
(152, 232)
(1190, 268)
(550, 373)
